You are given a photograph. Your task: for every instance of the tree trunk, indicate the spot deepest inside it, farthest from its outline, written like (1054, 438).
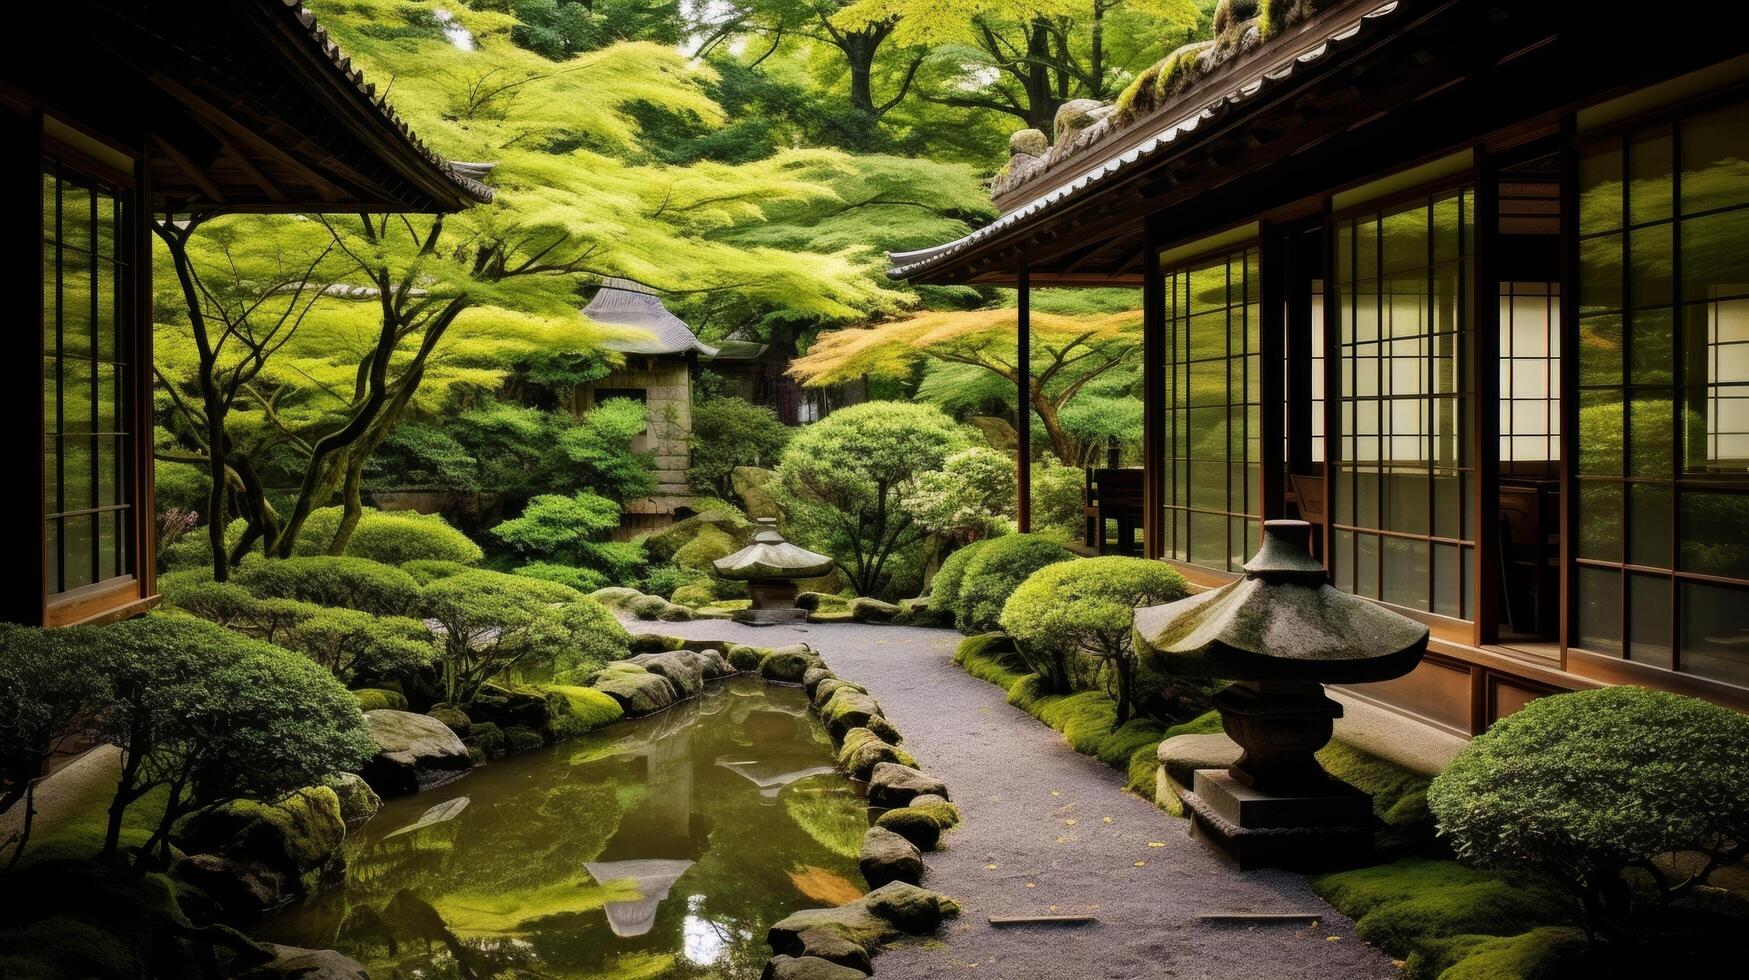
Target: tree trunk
(1041, 99)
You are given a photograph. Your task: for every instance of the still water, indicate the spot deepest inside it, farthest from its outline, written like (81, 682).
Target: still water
(656, 848)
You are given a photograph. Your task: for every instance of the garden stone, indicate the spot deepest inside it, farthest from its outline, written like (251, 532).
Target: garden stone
(295, 963)
(358, 802)
(822, 692)
(488, 739)
(655, 643)
(788, 664)
(720, 647)
(945, 813)
(913, 910)
(884, 728)
(714, 663)
(414, 752)
(239, 892)
(637, 690)
(455, 718)
(893, 909)
(683, 669)
(894, 785)
(811, 600)
(511, 707)
(916, 825)
(745, 657)
(848, 709)
(829, 946)
(863, 750)
(292, 848)
(808, 968)
(885, 857)
(1182, 755)
(867, 610)
(915, 612)
(813, 676)
(522, 739)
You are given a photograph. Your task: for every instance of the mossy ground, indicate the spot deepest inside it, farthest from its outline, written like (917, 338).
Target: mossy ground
(1437, 915)
(1084, 718)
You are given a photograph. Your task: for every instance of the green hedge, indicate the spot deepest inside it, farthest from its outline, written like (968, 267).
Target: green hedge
(348, 582)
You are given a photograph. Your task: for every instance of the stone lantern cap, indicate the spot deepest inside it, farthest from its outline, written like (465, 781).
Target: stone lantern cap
(771, 558)
(1282, 622)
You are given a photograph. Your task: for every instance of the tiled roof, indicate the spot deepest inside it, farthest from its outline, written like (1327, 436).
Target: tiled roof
(1174, 126)
(627, 303)
(463, 175)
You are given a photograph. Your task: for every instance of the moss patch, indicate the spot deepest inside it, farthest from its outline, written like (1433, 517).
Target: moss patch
(577, 710)
(1399, 795)
(372, 698)
(1416, 908)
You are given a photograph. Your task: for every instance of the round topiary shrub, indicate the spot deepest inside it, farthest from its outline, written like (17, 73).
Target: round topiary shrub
(584, 580)
(944, 590)
(389, 536)
(1088, 606)
(992, 575)
(353, 583)
(1603, 790)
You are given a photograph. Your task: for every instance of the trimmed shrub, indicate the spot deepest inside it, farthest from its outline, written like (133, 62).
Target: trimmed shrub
(493, 623)
(1088, 607)
(584, 580)
(351, 583)
(1594, 787)
(944, 590)
(355, 645)
(234, 607)
(995, 572)
(179, 485)
(392, 537)
(47, 693)
(731, 432)
(1059, 496)
(594, 637)
(662, 580)
(556, 528)
(428, 570)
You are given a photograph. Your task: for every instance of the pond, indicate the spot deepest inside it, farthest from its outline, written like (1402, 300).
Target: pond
(661, 847)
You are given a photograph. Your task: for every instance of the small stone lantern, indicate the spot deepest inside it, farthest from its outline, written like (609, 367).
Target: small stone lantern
(771, 566)
(1280, 633)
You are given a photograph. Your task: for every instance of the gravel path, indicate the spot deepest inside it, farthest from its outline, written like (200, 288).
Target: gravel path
(1049, 831)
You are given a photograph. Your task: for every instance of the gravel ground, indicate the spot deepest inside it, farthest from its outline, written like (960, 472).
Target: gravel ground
(1049, 831)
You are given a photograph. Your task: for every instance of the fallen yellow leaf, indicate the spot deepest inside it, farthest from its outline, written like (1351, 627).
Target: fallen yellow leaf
(1108, 820)
(1031, 885)
(989, 867)
(1156, 843)
(1141, 864)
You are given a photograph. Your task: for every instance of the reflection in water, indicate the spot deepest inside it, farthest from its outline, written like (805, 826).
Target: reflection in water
(655, 849)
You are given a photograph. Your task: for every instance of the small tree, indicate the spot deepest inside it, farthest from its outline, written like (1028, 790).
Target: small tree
(48, 693)
(211, 715)
(970, 497)
(1629, 798)
(1088, 606)
(846, 481)
(731, 432)
(492, 623)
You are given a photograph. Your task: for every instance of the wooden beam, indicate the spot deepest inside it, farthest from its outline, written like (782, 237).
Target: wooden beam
(189, 169)
(220, 124)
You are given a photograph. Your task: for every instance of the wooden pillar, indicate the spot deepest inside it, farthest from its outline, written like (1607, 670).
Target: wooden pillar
(1485, 383)
(1569, 387)
(1153, 399)
(139, 218)
(21, 281)
(1023, 417)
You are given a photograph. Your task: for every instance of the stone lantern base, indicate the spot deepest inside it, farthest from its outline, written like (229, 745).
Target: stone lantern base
(1306, 830)
(1276, 807)
(774, 602)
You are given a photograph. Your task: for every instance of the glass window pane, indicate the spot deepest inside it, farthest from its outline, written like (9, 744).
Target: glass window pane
(1715, 633)
(1715, 256)
(1651, 437)
(1600, 520)
(1366, 565)
(109, 465)
(104, 244)
(1649, 620)
(1715, 533)
(1649, 183)
(1649, 524)
(75, 303)
(1600, 610)
(1601, 433)
(78, 396)
(1600, 274)
(77, 455)
(75, 216)
(1600, 188)
(1653, 350)
(52, 555)
(109, 300)
(77, 558)
(51, 301)
(1715, 159)
(1406, 572)
(106, 547)
(1447, 585)
(1651, 253)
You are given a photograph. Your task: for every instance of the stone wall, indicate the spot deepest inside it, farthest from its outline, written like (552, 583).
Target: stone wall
(667, 386)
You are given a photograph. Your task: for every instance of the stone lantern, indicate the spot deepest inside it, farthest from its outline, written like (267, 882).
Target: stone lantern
(771, 567)
(1280, 634)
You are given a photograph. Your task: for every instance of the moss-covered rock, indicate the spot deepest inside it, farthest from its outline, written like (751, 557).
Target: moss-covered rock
(893, 785)
(682, 668)
(453, 718)
(752, 486)
(868, 610)
(744, 658)
(809, 968)
(487, 739)
(372, 698)
(521, 739)
(414, 752)
(297, 840)
(638, 691)
(862, 750)
(945, 813)
(823, 690)
(358, 802)
(694, 594)
(511, 707)
(884, 730)
(889, 911)
(915, 612)
(655, 643)
(915, 824)
(787, 665)
(297, 963)
(81, 919)
(848, 708)
(886, 856)
(579, 710)
(665, 544)
(812, 677)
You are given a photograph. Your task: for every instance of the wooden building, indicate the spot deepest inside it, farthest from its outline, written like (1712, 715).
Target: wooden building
(111, 111)
(1465, 283)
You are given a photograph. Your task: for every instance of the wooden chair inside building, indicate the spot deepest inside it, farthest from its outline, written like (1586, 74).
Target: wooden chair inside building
(1113, 495)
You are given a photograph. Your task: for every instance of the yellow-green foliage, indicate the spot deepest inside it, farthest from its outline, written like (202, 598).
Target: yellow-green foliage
(372, 698)
(825, 818)
(1417, 907)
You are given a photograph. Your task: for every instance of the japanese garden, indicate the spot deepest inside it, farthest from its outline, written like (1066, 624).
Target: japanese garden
(815, 489)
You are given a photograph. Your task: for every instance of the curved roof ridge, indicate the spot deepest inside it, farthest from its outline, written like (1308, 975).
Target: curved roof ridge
(628, 303)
